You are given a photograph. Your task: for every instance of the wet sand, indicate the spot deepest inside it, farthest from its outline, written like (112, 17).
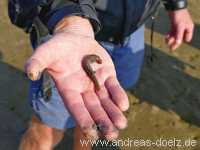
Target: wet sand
(165, 103)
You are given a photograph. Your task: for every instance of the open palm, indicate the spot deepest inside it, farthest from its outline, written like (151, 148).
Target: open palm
(61, 56)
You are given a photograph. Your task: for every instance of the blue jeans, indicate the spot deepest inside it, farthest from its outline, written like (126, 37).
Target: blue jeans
(127, 58)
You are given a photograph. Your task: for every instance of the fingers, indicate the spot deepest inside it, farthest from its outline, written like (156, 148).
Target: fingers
(38, 62)
(169, 40)
(45, 55)
(182, 33)
(74, 103)
(118, 95)
(181, 27)
(188, 34)
(34, 69)
(179, 36)
(115, 114)
(99, 115)
(176, 44)
(175, 38)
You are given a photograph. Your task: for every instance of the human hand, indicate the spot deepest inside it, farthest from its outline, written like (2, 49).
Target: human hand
(61, 56)
(181, 28)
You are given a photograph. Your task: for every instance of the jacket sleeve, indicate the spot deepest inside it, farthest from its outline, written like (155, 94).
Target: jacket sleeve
(23, 12)
(62, 8)
(174, 4)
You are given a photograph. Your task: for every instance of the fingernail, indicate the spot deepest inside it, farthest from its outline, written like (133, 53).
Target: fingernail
(121, 124)
(91, 132)
(124, 107)
(34, 69)
(34, 75)
(167, 36)
(108, 133)
(112, 135)
(178, 41)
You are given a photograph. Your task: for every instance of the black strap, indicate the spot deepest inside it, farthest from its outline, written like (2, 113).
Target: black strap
(152, 55)
(175, 4)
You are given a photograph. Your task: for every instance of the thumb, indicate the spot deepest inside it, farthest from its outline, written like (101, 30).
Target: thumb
(34, 69)
(38, 62)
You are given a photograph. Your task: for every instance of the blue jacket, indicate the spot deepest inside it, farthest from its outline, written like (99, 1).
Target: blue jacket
(117, 18)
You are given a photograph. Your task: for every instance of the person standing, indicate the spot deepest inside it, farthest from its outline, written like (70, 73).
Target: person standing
(62, 32)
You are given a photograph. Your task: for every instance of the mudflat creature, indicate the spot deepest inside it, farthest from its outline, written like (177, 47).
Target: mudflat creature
(86, 64)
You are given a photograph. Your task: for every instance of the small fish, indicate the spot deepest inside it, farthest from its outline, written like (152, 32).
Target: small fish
(86, 64)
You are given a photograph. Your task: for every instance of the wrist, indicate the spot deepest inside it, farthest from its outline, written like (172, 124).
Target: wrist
(76, 25)
(177, 13)
(173, 5)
